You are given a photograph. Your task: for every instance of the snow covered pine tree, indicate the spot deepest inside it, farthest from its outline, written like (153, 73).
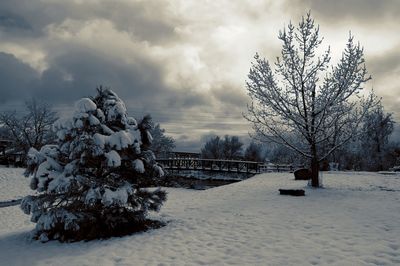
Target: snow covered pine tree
(92, 183)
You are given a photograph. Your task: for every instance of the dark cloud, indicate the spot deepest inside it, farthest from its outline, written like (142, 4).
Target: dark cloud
(186, 98)
(385, 70)
(77, 73)
(9, 22)
(16, 78)
(74, 70)
(188, 145)
(146, 20)
(384, 64)
(230, 95)
(82, 70)
(361, 11)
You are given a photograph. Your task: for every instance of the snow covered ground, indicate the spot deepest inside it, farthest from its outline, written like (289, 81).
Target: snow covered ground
(354, 220)
(13, 184)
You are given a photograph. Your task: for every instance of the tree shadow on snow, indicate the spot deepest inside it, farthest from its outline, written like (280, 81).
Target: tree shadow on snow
(18, 248)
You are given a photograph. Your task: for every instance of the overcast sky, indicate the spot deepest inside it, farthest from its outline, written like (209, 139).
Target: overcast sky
(183, 61)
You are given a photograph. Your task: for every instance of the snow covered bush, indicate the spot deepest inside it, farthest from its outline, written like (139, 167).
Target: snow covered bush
(91, 184)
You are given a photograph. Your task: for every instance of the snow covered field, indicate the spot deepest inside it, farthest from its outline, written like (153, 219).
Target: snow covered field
(355, 220)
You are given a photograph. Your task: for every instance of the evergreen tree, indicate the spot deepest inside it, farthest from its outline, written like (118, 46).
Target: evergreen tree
(91, 183)
(162, 144)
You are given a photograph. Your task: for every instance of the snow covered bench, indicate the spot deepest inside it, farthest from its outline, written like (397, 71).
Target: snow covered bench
(292, 192)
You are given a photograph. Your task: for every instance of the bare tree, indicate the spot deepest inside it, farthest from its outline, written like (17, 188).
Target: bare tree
(374, 138)
(281, 154)
(306, 99)
(213, 148)
(33, 128)
(231, 148)
(228, 148)
(254, 152)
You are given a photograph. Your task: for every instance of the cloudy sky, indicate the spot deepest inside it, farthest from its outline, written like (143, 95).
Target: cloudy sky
(183, 61)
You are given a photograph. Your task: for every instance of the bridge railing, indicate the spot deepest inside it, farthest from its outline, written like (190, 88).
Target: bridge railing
(224, 165)
(269, 167)
(210, 165)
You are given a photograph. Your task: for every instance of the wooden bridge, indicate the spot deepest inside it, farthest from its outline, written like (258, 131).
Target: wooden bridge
(219, 165)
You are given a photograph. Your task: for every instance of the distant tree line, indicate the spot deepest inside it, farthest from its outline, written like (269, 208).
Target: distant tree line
(231, 148)
(369, 150)
(32, 128)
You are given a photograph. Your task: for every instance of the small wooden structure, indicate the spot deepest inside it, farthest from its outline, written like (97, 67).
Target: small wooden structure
(4, 144)
(9, 155)
(302, 174)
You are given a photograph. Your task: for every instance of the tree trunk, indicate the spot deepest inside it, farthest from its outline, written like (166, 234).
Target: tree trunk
(314, 166)
(314, 172)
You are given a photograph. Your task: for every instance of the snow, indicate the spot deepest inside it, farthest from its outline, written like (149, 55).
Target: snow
(116, 109)
(119, 196)
(93, 120)
(106, 129)
(60, 184)
(78, 123)
(100, 114)
(34, 156)
(92, 195)
(46, 221)
(85, 105)
(159, 170)
(131, 121)
(118, 140)
(13, 184)
(100, 140)
(113, 159)
(62, 123)
(354, 220)
(138, 166)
